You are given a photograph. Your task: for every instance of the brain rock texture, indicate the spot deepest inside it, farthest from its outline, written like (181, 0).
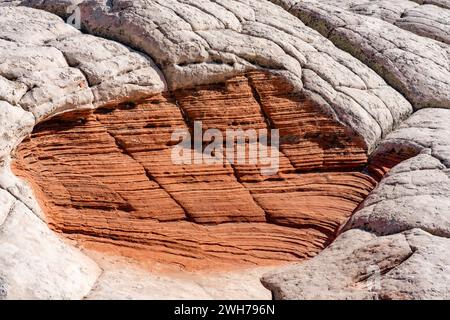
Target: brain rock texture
(93, 207)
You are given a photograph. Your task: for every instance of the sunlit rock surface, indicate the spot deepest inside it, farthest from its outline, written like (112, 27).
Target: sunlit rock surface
(88, 188)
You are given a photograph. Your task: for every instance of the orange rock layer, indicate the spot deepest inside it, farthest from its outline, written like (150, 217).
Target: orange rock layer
(108, 177)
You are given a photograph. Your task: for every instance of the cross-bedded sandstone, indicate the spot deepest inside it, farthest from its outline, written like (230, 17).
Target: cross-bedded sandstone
(109, 177)
(194, 61)
(206, 42)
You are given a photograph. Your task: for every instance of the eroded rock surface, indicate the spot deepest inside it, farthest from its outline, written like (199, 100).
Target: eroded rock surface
(416, 66)
(205, 42)
(101, 172)
(426, 19)
(109, 176)
(411, 263)
(124, 279)
(49, 67)
(36, 264)
(360, 265)
(416, 183)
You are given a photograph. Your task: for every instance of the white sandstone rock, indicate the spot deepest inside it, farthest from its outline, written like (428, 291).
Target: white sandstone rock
(36, 264)
(7, 202)
(48, 67)
(206, 42)
(359, 265)
(123, 279)
(414, 194)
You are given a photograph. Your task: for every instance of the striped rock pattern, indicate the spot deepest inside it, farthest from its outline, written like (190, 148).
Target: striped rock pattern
(85, 148)
(109, 176)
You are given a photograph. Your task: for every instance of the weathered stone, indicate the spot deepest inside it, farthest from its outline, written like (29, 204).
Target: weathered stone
(439, 3)
(416, 66)
(208, 42)
(7, 202)
(383, 9)
(359, 265)
(15, 124)
(402, 200)
(428, 21)
(9, 2)
(425, 20)
(35, 264)
(128, 147)
(49, 67)
(18, 188)
(102, 173)
(414, 194)
(425, 130)
(114, 72)
(123, 279)
(63, 8)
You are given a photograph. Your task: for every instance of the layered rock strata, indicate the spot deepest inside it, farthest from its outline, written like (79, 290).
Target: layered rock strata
(416, 66)
(394, 246)
(201, 43)
(109, 176)
(192, 59)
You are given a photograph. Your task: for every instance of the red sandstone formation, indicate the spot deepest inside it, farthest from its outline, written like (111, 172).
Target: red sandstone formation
(107, 177)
